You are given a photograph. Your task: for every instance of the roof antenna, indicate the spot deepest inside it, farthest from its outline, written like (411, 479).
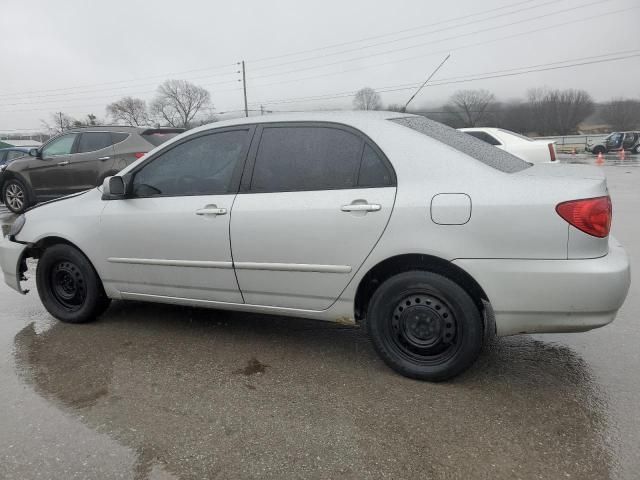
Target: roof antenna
(404, 109)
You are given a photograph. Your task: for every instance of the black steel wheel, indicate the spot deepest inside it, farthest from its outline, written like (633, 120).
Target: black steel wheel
(425, 326)
(68, 285)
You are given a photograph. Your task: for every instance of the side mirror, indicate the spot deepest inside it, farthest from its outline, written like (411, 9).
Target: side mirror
(34, 152)
(113, 188)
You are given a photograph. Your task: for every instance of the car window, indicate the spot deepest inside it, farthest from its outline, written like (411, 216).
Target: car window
(480, 151)
(15, 154)
(117, 137)
(60, 146)
(485, 137)
(306, 158)
(93, 141)
(200, 166)
(373, 171)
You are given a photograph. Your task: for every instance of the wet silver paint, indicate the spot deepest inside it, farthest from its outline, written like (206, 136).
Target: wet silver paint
(163, 392)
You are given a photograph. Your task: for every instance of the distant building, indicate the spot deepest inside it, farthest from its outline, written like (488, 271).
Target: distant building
(19, 143)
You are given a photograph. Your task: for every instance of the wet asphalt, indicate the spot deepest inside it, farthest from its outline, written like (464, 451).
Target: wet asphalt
(163, 392)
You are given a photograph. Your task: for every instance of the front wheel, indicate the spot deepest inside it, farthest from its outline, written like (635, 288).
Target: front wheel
(15, 196)
(68, 286)
(425, 326)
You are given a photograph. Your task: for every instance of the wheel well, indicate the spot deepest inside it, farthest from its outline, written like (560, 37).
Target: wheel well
(405, 263)
(35, 250)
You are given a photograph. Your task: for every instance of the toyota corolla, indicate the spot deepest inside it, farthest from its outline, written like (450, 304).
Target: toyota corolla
(429, 238)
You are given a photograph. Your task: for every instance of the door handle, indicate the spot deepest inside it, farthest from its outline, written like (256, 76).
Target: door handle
(104, 158)
(361, 207)
(62, 164)
(211, 210)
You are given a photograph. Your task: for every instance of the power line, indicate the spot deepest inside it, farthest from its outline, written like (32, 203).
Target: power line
(451, 49)
(341, 44)
(401, 39)
(454, 37)
(484, 76)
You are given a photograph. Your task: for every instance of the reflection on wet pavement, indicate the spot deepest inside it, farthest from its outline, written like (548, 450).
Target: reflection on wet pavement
(169, 389)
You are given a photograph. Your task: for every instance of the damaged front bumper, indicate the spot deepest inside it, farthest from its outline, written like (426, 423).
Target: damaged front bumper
(13, 263)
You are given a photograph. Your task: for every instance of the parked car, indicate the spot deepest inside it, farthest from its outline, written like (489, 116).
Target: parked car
(76, 160)
(616, 141)
(528, 149)
(425, 236)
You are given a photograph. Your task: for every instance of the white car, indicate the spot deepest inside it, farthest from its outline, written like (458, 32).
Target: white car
(430, 238)
(528, 149)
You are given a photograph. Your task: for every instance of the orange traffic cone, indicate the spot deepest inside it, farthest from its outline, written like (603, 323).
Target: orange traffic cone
(573, 152)
(600, 159)
(621, 154)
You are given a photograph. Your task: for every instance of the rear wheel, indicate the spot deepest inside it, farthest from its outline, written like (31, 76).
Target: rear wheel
(68, 286)
(599, 149)
(636, 150)
(425, 326)
(15, 196)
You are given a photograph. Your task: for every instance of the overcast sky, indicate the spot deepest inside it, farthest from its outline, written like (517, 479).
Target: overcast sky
(76, 56)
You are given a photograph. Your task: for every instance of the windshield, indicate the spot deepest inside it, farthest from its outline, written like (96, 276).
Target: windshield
(467, 144)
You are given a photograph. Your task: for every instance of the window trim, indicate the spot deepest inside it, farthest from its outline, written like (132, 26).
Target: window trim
(247, 176)
(235, 177)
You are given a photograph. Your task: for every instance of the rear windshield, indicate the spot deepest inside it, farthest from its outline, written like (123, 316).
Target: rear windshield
(481, 151)
(156, 138)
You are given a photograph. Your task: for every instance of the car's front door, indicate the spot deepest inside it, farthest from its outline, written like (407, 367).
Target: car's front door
(171, 238)
(48, 174)
(317, 200)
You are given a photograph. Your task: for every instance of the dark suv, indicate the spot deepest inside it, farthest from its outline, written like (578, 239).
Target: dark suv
(77, 160)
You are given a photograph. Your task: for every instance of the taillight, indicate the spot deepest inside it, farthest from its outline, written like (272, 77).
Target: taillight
(552, 152)
(139, 155)
(591, 215)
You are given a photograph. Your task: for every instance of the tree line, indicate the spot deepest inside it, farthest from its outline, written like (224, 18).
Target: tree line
(544, 111)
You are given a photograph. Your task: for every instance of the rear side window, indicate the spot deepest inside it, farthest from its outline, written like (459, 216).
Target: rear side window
(157, 138)
(477, 149)
(201, 166)
(119, 137)
(306, 158)
(485, 137)
(93, 141)
(373, 170)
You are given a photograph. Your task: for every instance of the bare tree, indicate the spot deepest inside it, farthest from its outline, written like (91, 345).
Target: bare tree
(622, 113)
(367, 99)
(470, 108)
(395, 107)
(178, 102)
(558, 112)
(58, 122)
(131, 111)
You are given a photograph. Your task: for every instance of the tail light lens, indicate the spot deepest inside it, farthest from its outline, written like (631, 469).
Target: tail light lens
(591, 215)
(139, 155)
(552, 152)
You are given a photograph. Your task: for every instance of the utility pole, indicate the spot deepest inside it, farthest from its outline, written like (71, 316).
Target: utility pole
(261, 109)
(404, 109)
(244, 87)
(61, 125)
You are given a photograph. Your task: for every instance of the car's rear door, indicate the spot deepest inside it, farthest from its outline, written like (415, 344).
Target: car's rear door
(315, 199)
(92, 156)
(170, 239)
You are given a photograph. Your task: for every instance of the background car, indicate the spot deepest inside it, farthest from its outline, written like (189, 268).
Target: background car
(615, 142)
(528, 149)
(8, 155)
(78, 159)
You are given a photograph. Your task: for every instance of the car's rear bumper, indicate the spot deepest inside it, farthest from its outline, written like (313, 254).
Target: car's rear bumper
(11, 258)
(545, 296)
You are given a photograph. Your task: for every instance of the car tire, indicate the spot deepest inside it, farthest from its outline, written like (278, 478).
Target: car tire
(68, 285)
(598, 150)
(425, 326)
(637, 150)
(15, 195)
